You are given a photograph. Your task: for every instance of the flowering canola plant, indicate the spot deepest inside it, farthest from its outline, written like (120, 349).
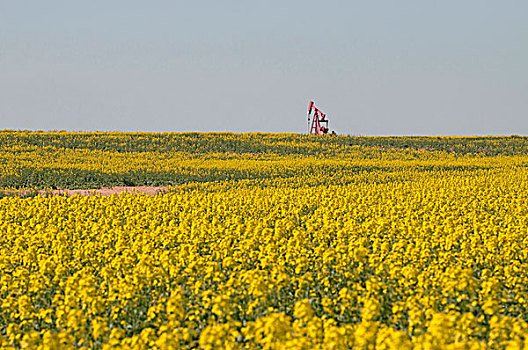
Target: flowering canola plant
(364, 248)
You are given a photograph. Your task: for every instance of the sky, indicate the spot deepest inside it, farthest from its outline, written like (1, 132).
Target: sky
(407, 67)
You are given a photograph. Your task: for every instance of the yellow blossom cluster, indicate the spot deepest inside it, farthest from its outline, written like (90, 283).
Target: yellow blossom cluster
(365, 248)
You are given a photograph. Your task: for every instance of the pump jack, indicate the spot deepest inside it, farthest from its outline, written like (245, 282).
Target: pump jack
(318, 119)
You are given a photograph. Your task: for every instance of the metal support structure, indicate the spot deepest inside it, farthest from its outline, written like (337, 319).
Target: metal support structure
(318, 119)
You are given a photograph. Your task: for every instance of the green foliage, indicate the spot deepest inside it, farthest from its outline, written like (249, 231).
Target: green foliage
(271, 155)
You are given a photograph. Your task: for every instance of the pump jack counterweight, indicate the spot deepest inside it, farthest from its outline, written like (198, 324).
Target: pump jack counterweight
(318, 118)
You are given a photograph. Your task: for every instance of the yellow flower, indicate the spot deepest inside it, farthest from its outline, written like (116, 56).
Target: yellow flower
(303, 309)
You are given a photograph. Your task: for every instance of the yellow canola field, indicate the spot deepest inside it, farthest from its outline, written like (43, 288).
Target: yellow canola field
(416, 251)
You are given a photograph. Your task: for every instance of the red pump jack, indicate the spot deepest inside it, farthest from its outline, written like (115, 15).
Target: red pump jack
(318, 118)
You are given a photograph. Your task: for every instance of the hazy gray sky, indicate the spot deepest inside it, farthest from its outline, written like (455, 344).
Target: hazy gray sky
(375, 67)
